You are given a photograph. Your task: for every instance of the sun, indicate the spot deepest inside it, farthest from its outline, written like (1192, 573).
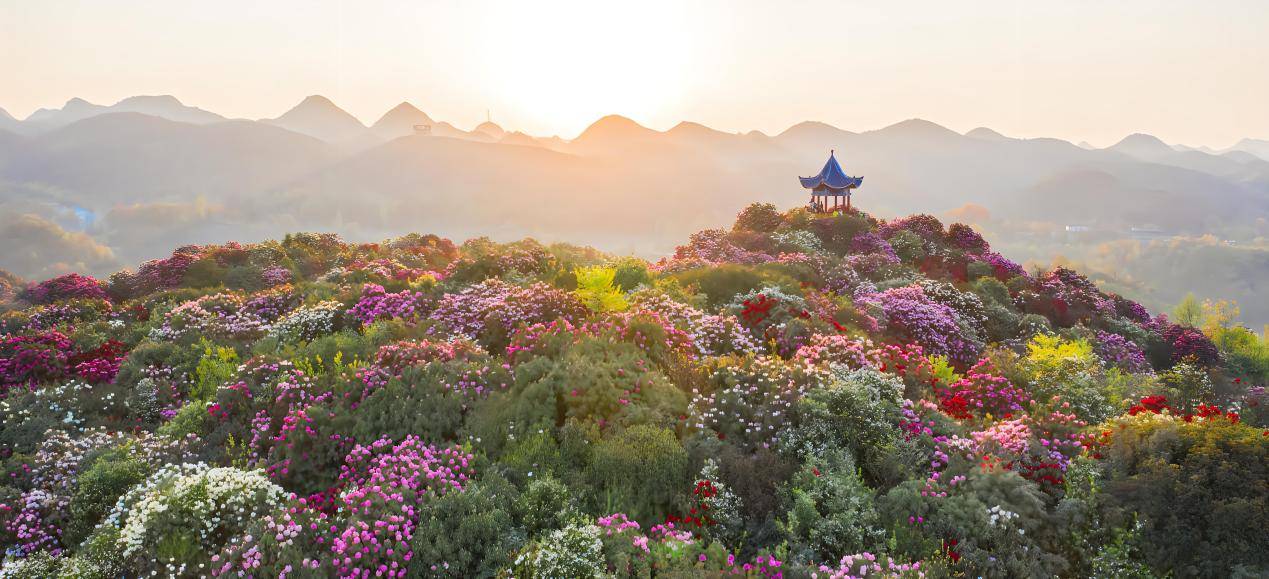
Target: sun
(557, 67)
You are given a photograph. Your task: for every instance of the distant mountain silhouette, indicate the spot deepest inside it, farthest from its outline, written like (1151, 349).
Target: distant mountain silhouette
(131, 157)
(400, 121)
(490, 128)
(813, 133)
(518, 138)
(77, 109)
(916, 128)
(316, 116)
(166, 107)
(7, 122)
(1142, 145)
(986, 134)
(1257, 147)
(1152, 149)
(317, 167)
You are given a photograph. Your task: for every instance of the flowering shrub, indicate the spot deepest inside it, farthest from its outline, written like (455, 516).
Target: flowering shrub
(67, 287)
(711, 334)
(384, 483)
(574, 551)
(307, 323)
(1120, 352)
(752, 399)
(982, 393)
(26, 361)
(377, 304)
(868, 565)
(171, 522)
(220, 315)
(912, 316)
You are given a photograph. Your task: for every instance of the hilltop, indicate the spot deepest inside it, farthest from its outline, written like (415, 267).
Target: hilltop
(130, 179)
(798, 393)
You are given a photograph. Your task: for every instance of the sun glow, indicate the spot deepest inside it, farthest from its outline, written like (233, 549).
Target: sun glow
(556, 67)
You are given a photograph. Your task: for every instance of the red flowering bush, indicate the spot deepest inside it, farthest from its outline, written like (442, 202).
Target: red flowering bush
(981, 393)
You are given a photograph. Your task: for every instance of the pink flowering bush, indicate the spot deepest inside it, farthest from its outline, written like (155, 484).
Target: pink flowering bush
(383, 484)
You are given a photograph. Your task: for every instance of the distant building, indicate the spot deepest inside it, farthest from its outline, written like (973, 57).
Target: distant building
(831, 182)
(422, 129)
(1077, 229)
(1148, 233)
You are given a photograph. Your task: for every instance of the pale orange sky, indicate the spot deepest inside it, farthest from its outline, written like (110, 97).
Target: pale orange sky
(1189, 72)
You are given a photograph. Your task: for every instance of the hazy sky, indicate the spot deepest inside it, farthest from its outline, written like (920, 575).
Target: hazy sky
(1190, 72)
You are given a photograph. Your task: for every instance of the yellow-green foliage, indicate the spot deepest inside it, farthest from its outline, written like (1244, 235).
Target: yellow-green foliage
(942, 369)
(1048, 351)
(217, 366)
(595, 289)
(1069, 368)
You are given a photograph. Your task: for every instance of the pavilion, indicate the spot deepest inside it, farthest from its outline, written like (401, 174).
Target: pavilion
(831, 182)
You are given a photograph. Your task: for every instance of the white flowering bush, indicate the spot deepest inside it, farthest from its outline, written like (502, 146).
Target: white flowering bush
(574, 551)
(170, 524)
(307, 323)
(799, 240)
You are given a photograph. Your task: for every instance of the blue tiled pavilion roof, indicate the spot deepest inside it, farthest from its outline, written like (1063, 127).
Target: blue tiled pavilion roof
(831, 177)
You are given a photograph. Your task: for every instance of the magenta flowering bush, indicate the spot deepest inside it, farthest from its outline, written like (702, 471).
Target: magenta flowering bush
(377, 304)
(1003, 267)
(67, 287)
(384, 482)
(964, 237)
(871, 243)
(26, 361)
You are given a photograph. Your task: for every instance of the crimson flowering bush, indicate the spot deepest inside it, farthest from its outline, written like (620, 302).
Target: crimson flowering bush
(1191, 344)
(982, 393)
(28, 360)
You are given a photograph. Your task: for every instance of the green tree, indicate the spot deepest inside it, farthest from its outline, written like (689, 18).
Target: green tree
(597, 291)
(642, 469)
(1189, 312)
